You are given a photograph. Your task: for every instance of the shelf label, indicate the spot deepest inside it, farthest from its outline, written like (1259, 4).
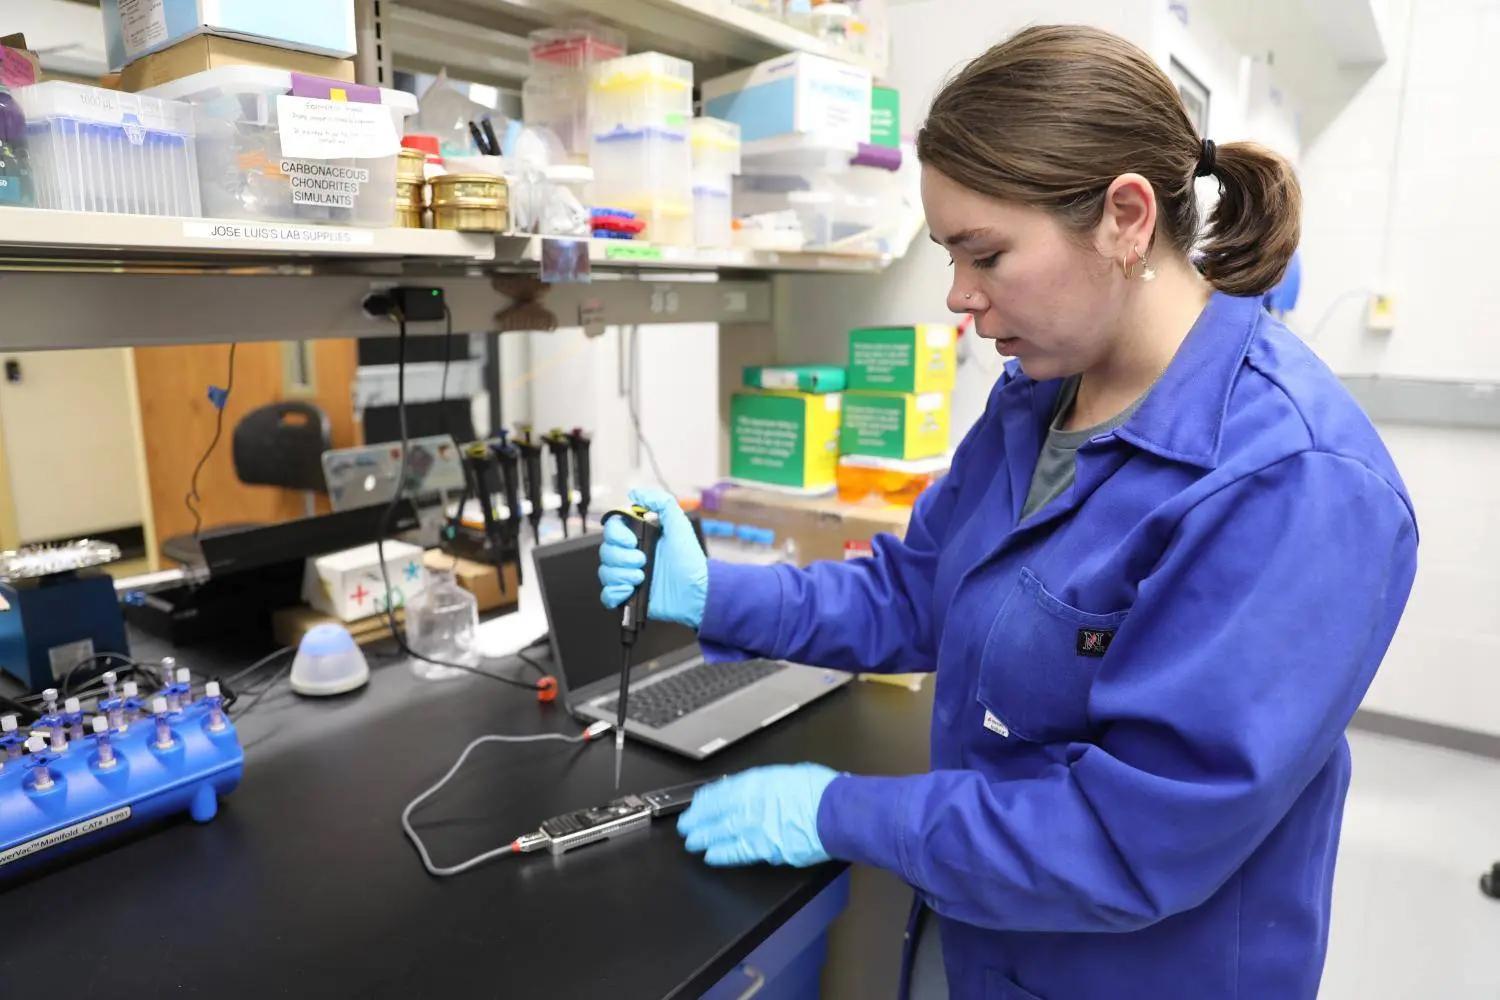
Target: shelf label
(625, 251)
(315, 129)
(64, 835)
(315, 182)
(272, 232)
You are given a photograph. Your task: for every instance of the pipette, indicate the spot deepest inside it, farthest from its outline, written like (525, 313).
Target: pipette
(646, 527)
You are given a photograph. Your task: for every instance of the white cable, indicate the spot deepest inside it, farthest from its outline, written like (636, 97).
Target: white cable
(510, 848)
(1330, 309)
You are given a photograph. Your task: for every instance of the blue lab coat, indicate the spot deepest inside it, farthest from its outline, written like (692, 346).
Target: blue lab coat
(1138, 752)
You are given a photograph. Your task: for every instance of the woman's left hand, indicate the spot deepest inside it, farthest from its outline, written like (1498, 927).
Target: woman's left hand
(766, 814)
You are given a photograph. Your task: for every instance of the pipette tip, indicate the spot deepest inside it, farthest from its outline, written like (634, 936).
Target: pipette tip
(619, 755)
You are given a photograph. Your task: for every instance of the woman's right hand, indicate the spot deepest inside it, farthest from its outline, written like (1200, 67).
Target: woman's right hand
(679, 580)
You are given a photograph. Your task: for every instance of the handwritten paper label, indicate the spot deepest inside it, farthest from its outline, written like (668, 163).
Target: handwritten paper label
(143, 24)
(314, 129)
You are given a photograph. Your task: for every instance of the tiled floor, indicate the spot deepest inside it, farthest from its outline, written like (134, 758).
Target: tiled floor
(1408, 918)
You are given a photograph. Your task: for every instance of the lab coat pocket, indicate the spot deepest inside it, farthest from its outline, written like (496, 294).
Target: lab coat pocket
(1039, 663)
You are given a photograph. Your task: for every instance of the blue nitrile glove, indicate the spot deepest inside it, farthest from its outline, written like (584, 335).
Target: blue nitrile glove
(679, 582)
(766, 814)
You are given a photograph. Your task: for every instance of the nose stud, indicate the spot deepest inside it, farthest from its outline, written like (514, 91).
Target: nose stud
(968, 296)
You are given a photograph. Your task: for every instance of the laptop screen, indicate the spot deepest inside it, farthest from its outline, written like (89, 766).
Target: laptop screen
(586, 634)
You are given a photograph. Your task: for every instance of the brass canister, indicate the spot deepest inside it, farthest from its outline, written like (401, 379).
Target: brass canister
(472, 215)
(411, 194)
(470, 202)
(409, 166)
(408, 217)
(450, 188)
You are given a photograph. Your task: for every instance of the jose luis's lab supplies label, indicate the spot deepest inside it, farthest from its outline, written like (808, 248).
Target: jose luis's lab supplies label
(143, 24)
(270, 232)
(64, 835)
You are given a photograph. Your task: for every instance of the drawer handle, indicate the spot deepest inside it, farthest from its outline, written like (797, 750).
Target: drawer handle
(757, 981)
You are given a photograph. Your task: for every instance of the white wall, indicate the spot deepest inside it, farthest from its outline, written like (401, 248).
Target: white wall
(814, 313)
(1399, 191)
(570, 380)
(68, 429)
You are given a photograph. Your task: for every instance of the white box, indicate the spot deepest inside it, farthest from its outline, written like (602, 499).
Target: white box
(348, 584)
(134, 28)
(794, 93)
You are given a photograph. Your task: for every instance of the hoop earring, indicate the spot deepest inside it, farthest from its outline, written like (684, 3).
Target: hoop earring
(1146, 271)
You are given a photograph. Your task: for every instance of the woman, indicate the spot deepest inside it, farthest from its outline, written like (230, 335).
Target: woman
(1154, 587)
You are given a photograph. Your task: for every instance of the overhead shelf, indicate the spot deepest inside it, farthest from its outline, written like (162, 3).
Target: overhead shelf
(475, 38)
(632, 255)
(34, 236)
(38, 238)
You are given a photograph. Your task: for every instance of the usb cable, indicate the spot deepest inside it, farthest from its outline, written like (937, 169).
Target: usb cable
(521, 845)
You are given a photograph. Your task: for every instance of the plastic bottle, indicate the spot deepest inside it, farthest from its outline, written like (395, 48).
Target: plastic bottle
(441, 624)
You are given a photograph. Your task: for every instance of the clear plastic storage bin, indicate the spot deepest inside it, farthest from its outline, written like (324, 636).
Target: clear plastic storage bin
(555, 94)
(716, 147)
(559, 102)
(713, 218)
(796, 154)
(647, 171)
(96, 150)
(831, 216)
(645, 90)
(243, 174)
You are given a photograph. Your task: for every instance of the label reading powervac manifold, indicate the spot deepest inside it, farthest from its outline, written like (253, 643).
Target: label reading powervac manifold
(64, 835)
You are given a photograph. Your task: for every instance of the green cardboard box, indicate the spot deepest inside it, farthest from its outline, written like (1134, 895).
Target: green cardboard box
(900, 425)
(796, 378)
(788, 439)
(885, 117)
(920, 359)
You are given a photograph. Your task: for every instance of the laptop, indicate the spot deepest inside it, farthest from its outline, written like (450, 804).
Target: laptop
(677, 701)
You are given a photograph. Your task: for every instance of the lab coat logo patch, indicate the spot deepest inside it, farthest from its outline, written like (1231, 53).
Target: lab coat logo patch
(994, 725)
(1094, 641)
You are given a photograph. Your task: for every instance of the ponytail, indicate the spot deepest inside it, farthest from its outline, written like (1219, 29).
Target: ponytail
(1257, 223)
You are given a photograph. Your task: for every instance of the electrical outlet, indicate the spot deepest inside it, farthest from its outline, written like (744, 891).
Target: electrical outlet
(1382, 315)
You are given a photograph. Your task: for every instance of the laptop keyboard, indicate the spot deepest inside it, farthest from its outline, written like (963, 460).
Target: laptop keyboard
(664, 702)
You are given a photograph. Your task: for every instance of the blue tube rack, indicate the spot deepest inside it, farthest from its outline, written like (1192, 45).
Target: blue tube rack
(87, 803)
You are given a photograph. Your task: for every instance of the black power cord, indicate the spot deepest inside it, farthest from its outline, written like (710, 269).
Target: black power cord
(192, 500)
(390, 513)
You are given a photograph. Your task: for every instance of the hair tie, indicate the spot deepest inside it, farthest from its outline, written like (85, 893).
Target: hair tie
(1206, 159)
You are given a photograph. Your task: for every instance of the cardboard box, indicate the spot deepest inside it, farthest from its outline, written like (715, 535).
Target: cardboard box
(900, 425)
(922, 358)
(289, 625)
(885, 117)
(479, 579)
(349, 585)
(791, 94)
(786, 439)
(136, 28)
(19, 66)
(205, 52)
(819, 526)
(796, 378)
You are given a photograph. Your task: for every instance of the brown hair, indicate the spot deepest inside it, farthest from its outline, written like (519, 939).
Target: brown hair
(1054, 114)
